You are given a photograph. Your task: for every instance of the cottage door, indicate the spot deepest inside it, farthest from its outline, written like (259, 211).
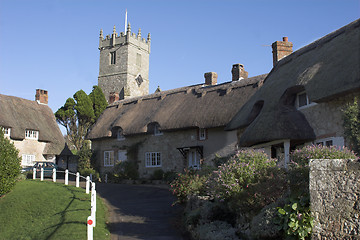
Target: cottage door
(193, 158)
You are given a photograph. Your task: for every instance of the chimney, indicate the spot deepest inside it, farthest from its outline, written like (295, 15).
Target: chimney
(113, 97)
(210, 78)
(238, 72)
(281, 49)
(41, 96)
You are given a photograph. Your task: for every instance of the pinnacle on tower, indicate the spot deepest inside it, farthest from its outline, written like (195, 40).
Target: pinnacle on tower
(128, 29)
(101, 34)
(148, 37)
(139, 33)
(114, 30)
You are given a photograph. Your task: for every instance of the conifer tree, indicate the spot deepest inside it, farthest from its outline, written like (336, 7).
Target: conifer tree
(78, 114)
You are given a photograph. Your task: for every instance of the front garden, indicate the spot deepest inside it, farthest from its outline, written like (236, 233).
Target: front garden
(249, 197)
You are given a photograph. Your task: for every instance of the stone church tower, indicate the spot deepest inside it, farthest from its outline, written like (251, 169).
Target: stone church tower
(124, 64)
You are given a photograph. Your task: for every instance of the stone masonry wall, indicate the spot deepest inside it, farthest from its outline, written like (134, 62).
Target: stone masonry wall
(335, 198)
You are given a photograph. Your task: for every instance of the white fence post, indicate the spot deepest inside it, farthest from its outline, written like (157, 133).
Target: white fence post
(87, 186)
(42, 174)
(77, 179)
(54, 175)
(93, 203)
(90, 227)
(34, 173)
(66, 177)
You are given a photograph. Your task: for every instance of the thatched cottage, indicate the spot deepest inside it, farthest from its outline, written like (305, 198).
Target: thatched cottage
(32, 127)
(302, 98)
(175, 129)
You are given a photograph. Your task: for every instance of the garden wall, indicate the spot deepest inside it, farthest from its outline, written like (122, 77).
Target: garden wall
(335, 198)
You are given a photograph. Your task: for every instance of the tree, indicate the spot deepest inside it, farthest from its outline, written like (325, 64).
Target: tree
(78, 114)
(352, 125)
(9, 164)
(98, 99)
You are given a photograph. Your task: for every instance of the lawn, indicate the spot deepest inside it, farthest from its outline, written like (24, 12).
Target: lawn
(47, 210)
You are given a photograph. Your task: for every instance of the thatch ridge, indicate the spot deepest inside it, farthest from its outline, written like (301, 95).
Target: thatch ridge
(187, 107)
(326, 68)
(20, 114)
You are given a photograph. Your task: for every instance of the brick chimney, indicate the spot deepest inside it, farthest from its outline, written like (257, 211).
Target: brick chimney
(113, 97)
(41, 96)
(210, 78)
(281, 49)
(238, 72)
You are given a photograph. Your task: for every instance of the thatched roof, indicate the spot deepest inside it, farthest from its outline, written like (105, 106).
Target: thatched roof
(188, 107)
(325, 69)
(20, 114)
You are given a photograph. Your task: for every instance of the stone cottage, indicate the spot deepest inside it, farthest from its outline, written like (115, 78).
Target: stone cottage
(302, 98)
(175, 129)
(32, 127)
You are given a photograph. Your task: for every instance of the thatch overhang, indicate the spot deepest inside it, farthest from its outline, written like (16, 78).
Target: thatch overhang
(197, 106)
(325, 69)
(20, 114)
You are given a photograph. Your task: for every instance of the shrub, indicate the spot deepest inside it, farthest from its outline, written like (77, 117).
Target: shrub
(295, 219)
(170, 176)
(124, 170)
(187, 184)
(158, 174)
(233, 177)
(9, 164)
(301, 157)
(351, 124)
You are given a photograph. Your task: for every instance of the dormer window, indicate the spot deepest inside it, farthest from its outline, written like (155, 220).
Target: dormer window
(120, 135)
(302, 100)
(157, 131)
(6, 131)
(31, 134)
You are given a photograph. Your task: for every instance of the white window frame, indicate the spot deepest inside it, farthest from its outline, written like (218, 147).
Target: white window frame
(120, 135)
(152, 159)
(108, 158)
(31, 134)
(28, 160)
(202, 134)
(157, 131)
(7, 131)
(335, 141)
(308, 101)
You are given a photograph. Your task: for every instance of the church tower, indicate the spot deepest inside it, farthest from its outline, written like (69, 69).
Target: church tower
(124, 64)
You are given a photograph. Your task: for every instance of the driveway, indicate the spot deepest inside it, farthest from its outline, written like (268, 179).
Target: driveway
(141, 212)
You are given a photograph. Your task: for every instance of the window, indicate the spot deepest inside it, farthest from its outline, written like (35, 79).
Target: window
(157, 131)
(108, 158)
(302, 100)
(202, 134)
(122, 156)
(6, 131)
(113, 58)
(152, 159)
(28, 160)
(138, 59)
(139, 80)
(32, 134)
(120, 135)
(331, 141)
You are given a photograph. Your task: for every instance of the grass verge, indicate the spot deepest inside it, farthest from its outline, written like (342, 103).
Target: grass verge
(47, 210)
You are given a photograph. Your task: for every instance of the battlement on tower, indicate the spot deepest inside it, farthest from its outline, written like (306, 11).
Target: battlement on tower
(116, 39)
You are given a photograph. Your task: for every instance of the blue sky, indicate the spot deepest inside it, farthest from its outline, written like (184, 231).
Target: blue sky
(53, 44)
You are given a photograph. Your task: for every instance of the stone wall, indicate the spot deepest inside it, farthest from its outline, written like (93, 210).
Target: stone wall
(335, 198)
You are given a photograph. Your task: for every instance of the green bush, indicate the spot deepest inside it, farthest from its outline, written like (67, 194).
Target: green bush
(187, 184)
(295, 219)
(301, 157)
(170, 176)
(9, 164)
(124, 170)
(351, 124)
(234, 176)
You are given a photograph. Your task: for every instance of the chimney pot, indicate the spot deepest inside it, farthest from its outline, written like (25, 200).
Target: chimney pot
(238, 72)
(285, 39)
(210, 78)
(41, 96)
